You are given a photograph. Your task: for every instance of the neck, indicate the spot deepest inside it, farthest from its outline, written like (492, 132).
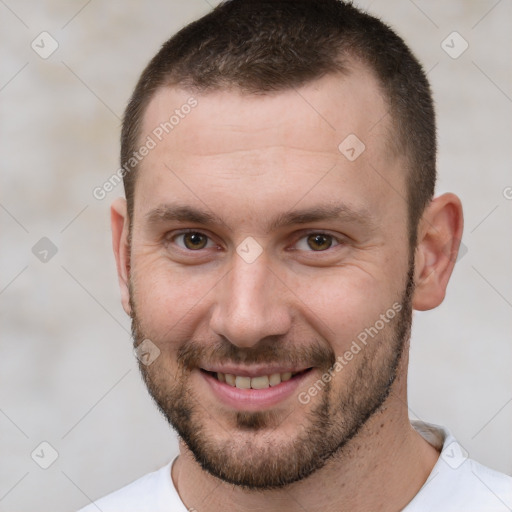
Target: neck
(381, 468)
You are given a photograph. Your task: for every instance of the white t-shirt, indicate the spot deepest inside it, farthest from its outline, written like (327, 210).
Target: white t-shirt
(456, 484)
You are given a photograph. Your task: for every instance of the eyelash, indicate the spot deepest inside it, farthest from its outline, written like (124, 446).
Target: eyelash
(335, 240)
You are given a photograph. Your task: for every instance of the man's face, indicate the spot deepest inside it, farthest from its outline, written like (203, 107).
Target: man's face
(259, 249)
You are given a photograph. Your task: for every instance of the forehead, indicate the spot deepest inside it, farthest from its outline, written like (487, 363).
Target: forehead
(226, 143)
(330, 106)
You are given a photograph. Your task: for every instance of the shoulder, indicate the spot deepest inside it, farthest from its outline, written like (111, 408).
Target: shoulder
(154, 492)
(457, 482)
(471, 487)
(487, 485)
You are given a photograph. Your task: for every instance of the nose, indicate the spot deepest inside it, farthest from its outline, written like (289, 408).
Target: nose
(251, 304)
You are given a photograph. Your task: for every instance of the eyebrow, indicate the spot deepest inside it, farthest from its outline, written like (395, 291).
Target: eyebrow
(181, 213)
(341, 212)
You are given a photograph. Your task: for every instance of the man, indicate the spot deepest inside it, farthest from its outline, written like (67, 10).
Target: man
(278, 230)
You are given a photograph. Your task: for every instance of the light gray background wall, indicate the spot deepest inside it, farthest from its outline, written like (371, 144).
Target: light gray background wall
(68, 376)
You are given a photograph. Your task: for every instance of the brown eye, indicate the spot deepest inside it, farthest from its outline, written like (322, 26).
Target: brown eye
(194, 241)
(319, 242)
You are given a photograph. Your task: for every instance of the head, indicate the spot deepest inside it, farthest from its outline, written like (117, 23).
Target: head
(284, 223)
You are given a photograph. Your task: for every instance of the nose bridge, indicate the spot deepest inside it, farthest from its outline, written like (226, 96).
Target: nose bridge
(251, 304)
(248, 294)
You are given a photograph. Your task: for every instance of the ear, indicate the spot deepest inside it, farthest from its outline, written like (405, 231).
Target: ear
(439, 235)
(120, 230)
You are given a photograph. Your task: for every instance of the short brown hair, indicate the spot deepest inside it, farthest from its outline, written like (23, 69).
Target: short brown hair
(261, 46)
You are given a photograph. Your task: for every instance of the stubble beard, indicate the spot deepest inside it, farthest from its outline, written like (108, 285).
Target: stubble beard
(252, 453)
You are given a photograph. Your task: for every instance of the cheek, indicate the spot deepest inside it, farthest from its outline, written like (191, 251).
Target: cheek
(170, 302)
(348, 302)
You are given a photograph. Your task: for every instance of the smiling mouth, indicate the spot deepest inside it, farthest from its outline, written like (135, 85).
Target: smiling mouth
(258, 382)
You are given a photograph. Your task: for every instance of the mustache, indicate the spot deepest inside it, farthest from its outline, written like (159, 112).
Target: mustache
(194, 354)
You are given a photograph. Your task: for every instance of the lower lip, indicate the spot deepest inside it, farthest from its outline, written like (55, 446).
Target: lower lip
(253, 399)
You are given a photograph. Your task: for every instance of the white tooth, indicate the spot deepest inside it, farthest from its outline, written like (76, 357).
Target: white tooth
(230, 379)
(286, 376)
(243, 382)
(221, 377)
(259, 382)
(274, 379)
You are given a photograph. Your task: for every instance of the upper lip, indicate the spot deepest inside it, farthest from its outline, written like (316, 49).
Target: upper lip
(252, 371)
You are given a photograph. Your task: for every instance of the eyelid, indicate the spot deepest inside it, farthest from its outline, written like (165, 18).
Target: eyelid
(337, 238)
(172, 235)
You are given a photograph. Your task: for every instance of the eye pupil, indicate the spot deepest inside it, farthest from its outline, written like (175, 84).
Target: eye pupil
(194, 240)
(319, 242)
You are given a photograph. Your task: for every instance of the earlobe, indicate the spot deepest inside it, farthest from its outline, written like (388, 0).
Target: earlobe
(439, 236)
(120, 231)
